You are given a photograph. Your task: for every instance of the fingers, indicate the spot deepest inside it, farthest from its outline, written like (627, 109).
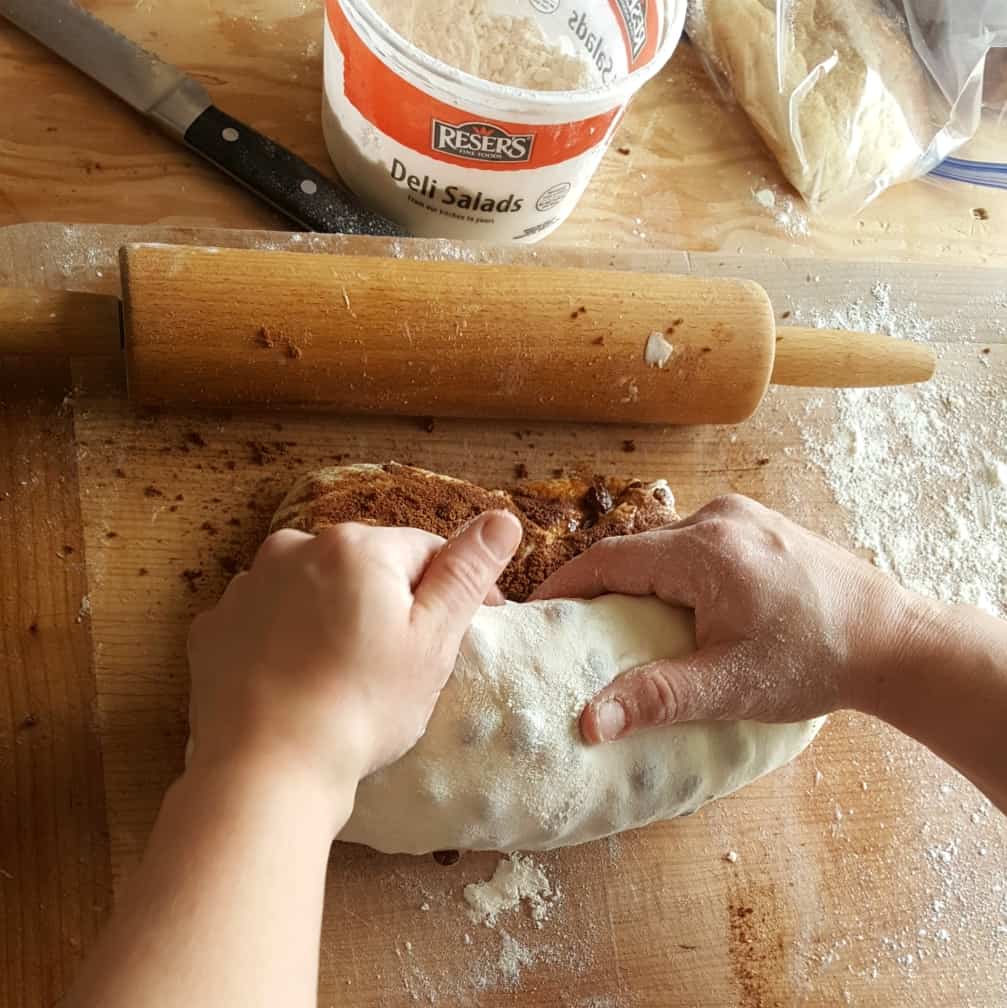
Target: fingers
(412, 549)
(673, 562)
(621, 564)
(350, 548)
(462, 574)
(715, 684)
(649, 563)
(280, 544)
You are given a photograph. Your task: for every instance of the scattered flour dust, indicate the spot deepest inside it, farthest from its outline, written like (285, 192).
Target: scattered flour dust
(517, 879)
(514, 957)
(787, 213)
(467, 34)
(496, 957)
(920, 471)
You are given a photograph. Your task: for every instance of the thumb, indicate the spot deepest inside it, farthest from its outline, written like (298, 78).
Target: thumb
(705, 686)
(464, 571)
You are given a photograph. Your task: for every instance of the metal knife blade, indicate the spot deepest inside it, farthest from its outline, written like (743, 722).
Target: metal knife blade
(151, 86)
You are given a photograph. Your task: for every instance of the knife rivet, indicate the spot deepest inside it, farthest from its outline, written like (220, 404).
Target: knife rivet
(231, 135)
(309, 188)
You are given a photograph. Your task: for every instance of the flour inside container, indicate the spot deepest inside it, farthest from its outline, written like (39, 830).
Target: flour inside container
(474, 37)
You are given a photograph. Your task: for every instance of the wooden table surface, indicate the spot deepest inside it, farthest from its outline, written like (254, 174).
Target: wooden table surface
(70, 152)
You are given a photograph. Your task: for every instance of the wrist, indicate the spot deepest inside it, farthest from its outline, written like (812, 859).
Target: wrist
(273, 786)
(908, 632)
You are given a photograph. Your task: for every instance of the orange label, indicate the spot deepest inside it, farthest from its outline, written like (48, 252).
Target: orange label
(445, 132)
(638, 22)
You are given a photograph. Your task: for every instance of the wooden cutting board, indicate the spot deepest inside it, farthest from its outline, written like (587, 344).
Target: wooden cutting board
(867, 872)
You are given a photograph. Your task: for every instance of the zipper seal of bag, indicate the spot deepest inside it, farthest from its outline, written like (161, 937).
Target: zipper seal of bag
(992, 174)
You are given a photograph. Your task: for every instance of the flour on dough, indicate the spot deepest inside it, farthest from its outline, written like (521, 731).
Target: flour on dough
(502, 766)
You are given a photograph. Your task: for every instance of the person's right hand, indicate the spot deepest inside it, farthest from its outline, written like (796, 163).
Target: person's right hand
(329, 654)
(788, 625)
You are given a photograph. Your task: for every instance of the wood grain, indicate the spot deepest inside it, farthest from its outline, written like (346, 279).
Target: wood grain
(829, 358)
(54, 858)
(654, 919)
(363, 334)
(38, 322)
(852, 861)
(370, 334)
(70, 151)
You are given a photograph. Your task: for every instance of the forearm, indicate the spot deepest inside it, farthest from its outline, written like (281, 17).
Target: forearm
(948, 689)
(226, 907)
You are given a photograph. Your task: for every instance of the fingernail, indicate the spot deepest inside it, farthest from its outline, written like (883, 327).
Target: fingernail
(611, 717)
(500, 535)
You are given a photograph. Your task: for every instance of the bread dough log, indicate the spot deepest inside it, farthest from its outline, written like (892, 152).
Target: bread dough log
(502, 766)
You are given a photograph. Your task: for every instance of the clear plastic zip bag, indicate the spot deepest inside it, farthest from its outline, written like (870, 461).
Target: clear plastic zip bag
(853, 96)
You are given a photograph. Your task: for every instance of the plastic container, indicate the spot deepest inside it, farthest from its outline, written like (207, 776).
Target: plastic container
(447, 154)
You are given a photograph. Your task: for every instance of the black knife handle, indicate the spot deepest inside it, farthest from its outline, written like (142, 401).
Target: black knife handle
(281, 178)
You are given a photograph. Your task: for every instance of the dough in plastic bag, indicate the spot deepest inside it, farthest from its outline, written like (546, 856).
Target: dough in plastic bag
(853, 96)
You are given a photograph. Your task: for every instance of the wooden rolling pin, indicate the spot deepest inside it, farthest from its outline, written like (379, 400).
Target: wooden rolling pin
(358, 335)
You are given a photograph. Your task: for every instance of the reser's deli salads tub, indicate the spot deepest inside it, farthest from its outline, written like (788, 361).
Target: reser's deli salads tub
(447, 154)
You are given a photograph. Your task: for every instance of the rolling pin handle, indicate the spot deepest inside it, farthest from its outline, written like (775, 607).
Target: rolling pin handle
(832, 358)
(52, 323)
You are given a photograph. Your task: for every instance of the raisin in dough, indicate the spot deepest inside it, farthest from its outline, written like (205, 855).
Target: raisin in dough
(502, 765)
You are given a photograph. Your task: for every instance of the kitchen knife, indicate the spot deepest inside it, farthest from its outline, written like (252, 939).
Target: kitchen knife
(182, 107)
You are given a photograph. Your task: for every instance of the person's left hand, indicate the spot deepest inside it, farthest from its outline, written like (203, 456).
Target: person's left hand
(788, 625)
(330, 652)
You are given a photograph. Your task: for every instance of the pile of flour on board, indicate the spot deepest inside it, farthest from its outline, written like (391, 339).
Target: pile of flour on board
(921, 471)
(496, 955)
(467, 34)
(516, 880)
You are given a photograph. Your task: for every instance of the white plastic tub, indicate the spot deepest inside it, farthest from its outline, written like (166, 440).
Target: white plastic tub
(449, 155)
